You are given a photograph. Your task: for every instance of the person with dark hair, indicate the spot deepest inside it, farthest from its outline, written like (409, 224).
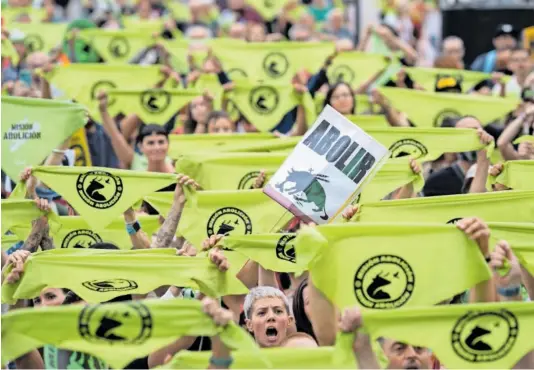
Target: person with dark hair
(152, 140)
(219, 122)
(341, 97)
(505, 38)
(301, 300)
(520, 65)
(452, 179)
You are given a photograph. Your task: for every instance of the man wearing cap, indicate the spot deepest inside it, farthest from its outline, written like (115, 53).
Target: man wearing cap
(505, 39)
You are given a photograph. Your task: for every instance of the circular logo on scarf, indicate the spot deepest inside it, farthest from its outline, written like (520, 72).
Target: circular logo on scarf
(155, 100)
(446, 113)
(454, 221)
(263, 99)
(383, 282)
(103, 85)
(82, 238)
(110, 285)
(484, 336)
(125, 323)
(285, 249)
(33, 43)
(229, 221)
(99, 189)
(275, 64)
(409, 147)
(236, 73)
(119, 47)
(248, 180)
(79, 155)
(343, 73)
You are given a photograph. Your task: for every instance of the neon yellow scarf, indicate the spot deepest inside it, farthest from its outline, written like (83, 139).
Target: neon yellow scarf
(501, 206)
(106, 274)
(475, 336)
(98, 194)
(383, 266)
(139, 328)
(518, 175)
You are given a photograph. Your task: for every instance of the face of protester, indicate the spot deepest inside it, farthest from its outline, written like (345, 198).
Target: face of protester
(306, 20)
(155, 147)
(519, 62)
(256, 33)
(342, 99)
(405, 356)
(269, 321)
(336, 19)
(454, 49)
(50, 297)
(220, 126)
(145, 9)
(504, 42)
(200, 109)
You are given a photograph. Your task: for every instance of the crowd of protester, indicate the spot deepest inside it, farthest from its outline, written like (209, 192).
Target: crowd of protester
(281, 309)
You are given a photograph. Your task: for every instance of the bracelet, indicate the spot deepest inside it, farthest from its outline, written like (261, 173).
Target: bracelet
(58, 151)
(221, 362)
(133, 228)
(509, 291)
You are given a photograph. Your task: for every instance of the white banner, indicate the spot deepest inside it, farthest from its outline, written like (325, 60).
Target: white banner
(327, 169)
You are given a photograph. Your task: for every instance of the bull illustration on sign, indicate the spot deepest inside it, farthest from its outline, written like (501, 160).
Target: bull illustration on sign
(309, 184)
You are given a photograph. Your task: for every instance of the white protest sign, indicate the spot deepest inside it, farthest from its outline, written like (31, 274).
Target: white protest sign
(327, 169)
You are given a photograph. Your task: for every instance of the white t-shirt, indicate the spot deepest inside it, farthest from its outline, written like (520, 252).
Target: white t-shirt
(512, 88)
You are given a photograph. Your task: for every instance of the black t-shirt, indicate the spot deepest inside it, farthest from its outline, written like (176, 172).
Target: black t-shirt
(447, 181)
(140, 363)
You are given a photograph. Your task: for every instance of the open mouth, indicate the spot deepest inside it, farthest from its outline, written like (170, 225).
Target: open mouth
(271, 333)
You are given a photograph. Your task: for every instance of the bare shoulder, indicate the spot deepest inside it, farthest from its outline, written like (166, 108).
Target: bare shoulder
(299, 340)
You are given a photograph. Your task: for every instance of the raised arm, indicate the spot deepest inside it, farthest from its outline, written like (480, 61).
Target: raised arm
(351, 322)
(168, 230)
(476, 230)
(478, 185)
(511, 131)
(124, 152)
(508, 283)
(407, 191)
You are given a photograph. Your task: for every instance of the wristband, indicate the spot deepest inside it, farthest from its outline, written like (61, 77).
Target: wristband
(221, 362)
(133, 228)
(509, 291)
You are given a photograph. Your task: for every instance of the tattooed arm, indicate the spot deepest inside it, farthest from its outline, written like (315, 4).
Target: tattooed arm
(167, 231)
(36, 235)
(46, 242)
